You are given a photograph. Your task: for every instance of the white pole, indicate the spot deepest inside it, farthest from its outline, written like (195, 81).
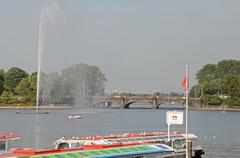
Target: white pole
(168, 132)
(186, 93)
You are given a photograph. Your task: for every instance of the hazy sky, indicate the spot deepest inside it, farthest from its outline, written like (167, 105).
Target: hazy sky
(141, 45)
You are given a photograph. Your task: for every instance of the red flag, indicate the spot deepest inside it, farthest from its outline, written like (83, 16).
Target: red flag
(184, 83)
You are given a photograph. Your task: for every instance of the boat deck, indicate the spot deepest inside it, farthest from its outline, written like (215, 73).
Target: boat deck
(137, 150)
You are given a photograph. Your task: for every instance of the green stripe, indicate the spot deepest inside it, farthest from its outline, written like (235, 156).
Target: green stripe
(93, 153)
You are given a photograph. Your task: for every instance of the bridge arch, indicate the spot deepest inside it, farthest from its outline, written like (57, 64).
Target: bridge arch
(147, 103)
(126, 106)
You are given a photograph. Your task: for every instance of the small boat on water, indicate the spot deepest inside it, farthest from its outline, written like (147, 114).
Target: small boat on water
(74, 117)
(32, 112)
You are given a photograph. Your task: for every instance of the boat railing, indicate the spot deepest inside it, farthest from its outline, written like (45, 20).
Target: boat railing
(7, 141)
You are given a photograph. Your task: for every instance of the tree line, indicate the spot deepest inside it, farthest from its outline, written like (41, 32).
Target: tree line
(219, 83)
(74, 82)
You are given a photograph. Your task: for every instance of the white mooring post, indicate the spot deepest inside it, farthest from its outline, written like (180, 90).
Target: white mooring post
(169, 132)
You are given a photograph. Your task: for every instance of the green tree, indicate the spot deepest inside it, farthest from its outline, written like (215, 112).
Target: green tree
(12, 77)
(54, 89)
(211, 87)
(76, 76)
(74, 82)
(33, 83)
(27, 88)
(2, 74)
(95, 81)
(226, 67)
(1, 87)
(1, 81)
(195, 91)
(173, 94)
(231, 85)
(207, 73)
(207, 79)
(85, 79)
(221, 80)
(5, 97)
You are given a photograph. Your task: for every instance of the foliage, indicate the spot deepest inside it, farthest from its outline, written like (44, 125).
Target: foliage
(228, 67)
(12, 77)
(231, 85)
(173, 94)
(2, 74)
(85, 80)
(207, 73)
(195, 91)
(235, 102)
(1, 87)
(1, 81)
(27, 88)
(17, 87)
(221, 79)
(212, 100)
(74, 82)
(5, 97)
(54, 90)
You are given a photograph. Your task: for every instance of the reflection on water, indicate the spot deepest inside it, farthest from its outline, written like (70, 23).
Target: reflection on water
(217, 132)
(36, 132)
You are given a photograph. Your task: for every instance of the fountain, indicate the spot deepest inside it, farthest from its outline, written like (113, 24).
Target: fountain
(48, 15)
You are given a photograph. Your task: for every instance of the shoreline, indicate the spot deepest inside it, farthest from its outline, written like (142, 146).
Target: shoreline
(77, 107)
(41, 107)
(215, 109)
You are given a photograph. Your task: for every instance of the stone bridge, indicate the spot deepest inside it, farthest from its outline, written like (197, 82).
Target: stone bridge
(154, 101)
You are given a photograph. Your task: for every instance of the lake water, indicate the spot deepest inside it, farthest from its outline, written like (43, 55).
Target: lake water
(217, 132)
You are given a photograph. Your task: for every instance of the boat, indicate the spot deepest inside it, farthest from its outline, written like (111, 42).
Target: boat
(97, 151)
(133, 151)
(177, 141)
(74, 117)
(129, 149)
(32, 112)
(6, 141)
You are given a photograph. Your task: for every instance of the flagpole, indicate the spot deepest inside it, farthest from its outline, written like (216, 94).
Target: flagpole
(186, 108)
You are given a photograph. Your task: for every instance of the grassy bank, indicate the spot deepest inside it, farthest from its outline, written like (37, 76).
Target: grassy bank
(216, 108)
